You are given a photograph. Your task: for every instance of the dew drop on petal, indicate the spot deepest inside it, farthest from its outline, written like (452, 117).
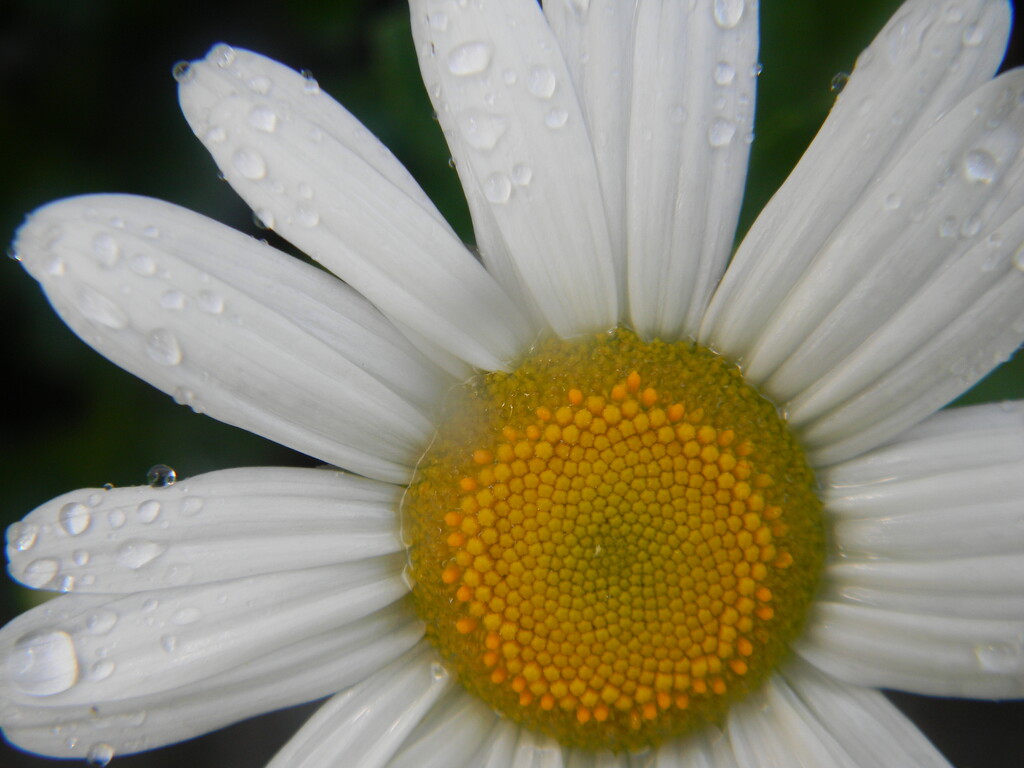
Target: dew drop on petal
(162, 347)
(148, 511)
(438, 671)
(44, 663)
(116, 518)
(556, 118)
(182, 71)
(101, 310)
(481, 130)
(1000, 658)
(101, 670)
(186, 616)
(724, 73)
(541, 82)
(263, 119)
(522, 174)
(979, 166)
(263, 218)
(721, 132)
(100, 755)
(838, 83)
(728, 13)
(497, 188)
(249, 163)
(210, 302)
(223, 55)
(973, 35)
(40, 572)
(190, 506)
(74, 518)
(307, 217)
(893, 202)
(160, 476)
(216, 135)
(22, 536)
(105, 249)
(135, 553)
(169, 643)
(469, 59)
(172, 299)
(80, 557)
(310, 86)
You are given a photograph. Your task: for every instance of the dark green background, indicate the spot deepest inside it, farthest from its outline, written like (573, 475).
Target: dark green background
(87, 104)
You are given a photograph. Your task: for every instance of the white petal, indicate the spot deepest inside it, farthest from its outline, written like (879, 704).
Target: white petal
(930, 654)
(234, 328)
(691, 124)
(450, 735)
(596, 38)
(874, 732)
(707, 749)
(926, 59)
(147, 670)
(296, 156)
(772, 728)
(510, 113)
(512, 746)
(364, 726)
(214, 527)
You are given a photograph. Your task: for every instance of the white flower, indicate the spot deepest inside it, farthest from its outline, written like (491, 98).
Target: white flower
(603, 151)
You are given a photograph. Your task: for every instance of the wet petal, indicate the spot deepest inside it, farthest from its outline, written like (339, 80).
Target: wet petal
(235, 329)
(317, 177)
(450, 735)
(213, 527)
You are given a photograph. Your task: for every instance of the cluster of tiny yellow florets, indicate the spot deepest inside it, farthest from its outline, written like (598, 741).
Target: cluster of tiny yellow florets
(608, 565)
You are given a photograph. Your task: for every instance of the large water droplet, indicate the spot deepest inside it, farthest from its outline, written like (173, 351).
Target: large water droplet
(148, 511)
(1000, 658)
(310, 84)
(162, 347)
(556, 118)
(74, 518)
(106, 249)
(116, 518)
(44, 663)
(727, 13)
(222, 55)
(22, 536)
(100, 755)
(135, 553)
(497, 188)
(263, 119)
(541, 82)
(40, 573)
(249, 163)
(481, 130)
(720, 132)
(469, 58)
(99, 309)
(724, 73)
(160, 476)
(979, 166)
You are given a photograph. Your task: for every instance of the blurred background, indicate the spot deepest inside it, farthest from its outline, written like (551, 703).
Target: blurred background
(87, 104)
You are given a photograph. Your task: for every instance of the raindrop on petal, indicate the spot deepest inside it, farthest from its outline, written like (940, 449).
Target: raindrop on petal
(135, 553)
(160, 476)
(44, 663)
(469, 58)
(249, 163)
(979, 166)
(728, 13)
(74, 518)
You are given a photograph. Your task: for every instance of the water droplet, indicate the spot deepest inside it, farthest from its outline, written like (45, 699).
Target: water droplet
(162, 347)
(39, 573)
(307, 217)
(310, 86)
(116, 518)
(979, 166)
(169, 643)
(721, 132)
(172, 299)
(105, 249)
(182, 71)
(438, 21)
(556, 118)
(259, 84)
(190, 506)
(973, 35)
(101, 622)
(947, 228)
(13, 254)
(263, 218)
(135, 553)
(101, 670)
(150, 605)
(152, 232)
(223, 55)
(469, 58)
(481, 130)
(80, 557)
(249, 163)
(74, 518)
(892, 202)
(44, 663)
(509, 77)
(148, 511)
(161, 476)
(211, 303)
(143, 264)
(263, 119)
(99, 309)
(999, 658)
(498, 188)
(838, 82)
(522, 174)
(22, 536)
(971, 226)
(438, 671)
(724, 73)
(728, 13)
(186, 616)
(541, 82)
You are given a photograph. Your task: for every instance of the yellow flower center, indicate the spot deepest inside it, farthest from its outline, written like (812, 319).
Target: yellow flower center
(615, 541)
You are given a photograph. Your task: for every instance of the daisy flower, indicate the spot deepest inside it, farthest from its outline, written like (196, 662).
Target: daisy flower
(598, 495)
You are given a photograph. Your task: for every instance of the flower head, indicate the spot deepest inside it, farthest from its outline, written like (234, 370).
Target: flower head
(599, 497)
